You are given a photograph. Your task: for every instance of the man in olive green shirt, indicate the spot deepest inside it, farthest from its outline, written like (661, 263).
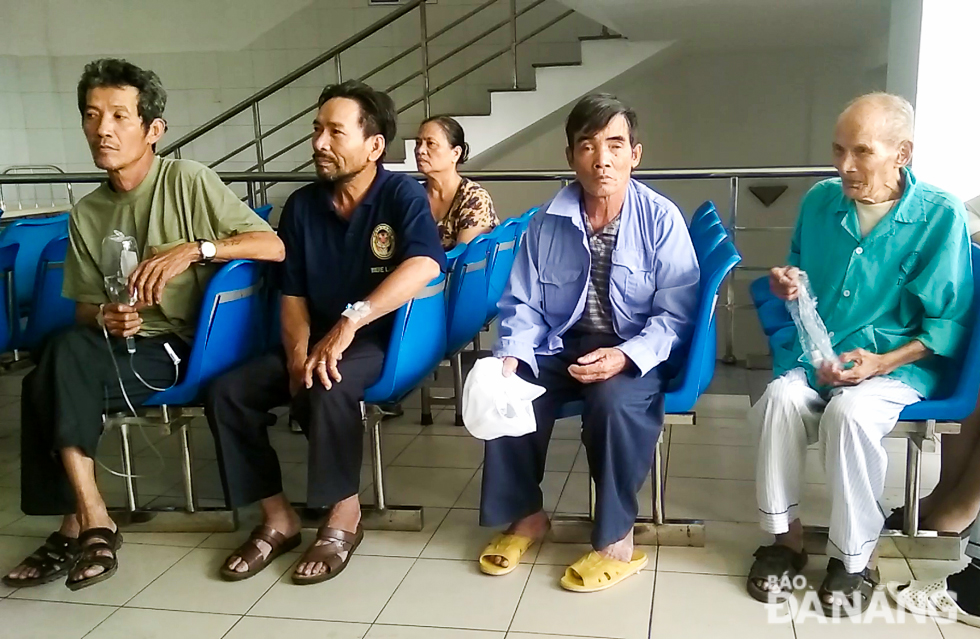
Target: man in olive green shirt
(888, 260)
(182, 219)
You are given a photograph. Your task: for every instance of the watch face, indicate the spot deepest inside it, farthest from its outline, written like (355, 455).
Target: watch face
(208, 250)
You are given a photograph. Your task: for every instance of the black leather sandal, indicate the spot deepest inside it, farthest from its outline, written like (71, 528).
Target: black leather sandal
(52, 561)
(92, 542)
(846, 588)
(774, 564)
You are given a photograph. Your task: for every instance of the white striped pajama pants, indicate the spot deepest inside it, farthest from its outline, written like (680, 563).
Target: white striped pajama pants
(849, 427)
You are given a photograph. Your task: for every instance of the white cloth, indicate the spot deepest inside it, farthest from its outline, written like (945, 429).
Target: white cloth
(870, 214)
(497, 406)
(850, 428)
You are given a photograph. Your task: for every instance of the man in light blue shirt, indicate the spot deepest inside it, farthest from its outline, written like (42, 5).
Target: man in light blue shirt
(603, 290)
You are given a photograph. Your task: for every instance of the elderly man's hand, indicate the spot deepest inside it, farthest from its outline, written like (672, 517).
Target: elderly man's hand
(326, 355)
(866, 366)
(599, 365)
(150, 278)
(510, 365)
(784, 281)
(121, 320)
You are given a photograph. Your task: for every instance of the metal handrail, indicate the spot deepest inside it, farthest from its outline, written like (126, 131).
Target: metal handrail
(733, 175)
(289, 78)
(425, 38)
(483, 176)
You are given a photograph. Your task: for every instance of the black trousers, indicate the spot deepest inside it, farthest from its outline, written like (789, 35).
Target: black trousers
(238, 410)
(64, 398)
(621, 424)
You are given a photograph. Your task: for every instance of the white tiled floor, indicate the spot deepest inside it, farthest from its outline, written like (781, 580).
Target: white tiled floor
(426, 585)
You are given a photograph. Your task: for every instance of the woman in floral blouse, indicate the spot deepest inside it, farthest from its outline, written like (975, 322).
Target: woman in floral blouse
(461, 207)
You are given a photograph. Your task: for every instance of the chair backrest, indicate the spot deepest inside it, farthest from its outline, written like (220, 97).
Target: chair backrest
(771, 310)
(229, 331)
(501, 261)
(49, 310)
(710, 233)
(32, 234)
(704, 213)
(10, 316)
(264, 211)
(417, 345)
(466, 298)
(525, 221)
(962, 376)
(697, 363)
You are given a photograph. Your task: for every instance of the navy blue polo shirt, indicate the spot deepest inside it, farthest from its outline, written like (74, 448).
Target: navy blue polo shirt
(333, 262)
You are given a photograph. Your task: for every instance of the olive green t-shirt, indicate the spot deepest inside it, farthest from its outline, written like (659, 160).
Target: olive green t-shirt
(178, 201)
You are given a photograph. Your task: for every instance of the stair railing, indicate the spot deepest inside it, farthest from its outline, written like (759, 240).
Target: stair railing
(257, 192)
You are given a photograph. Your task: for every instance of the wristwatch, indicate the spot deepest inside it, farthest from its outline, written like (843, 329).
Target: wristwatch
(208, 250)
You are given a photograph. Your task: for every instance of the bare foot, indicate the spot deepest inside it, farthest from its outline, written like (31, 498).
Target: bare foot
(345, 515)
(622, 550)
(953, 515)
(69, 528)
(534, 526)
(87, 522)
(287, 523)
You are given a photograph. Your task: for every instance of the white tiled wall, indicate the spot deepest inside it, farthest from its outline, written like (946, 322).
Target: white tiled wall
(39, 120)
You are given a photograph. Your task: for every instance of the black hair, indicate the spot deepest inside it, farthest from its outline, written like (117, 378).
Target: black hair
(113, 72)
(593, 113)
(454, 133)
(378, 115)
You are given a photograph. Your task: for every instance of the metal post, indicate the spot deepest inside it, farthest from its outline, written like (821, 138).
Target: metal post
(340, 70)
(456, 363)
(513, 42)
(913, 476)
(190, 499)
(259, 154)
(591, 498)
(250, 193)
(177, 153)
(424, 45)
(374, 423)
(729, 357)
(658, 488)
(127, 463)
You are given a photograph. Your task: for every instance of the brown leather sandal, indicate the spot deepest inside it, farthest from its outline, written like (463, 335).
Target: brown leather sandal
(52, 561)
(328, 554)
(249, 552)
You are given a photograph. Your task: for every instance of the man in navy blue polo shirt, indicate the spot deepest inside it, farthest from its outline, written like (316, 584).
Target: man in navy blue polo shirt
(359, 244)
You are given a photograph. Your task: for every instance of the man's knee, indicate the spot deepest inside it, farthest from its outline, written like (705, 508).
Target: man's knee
(848, 414)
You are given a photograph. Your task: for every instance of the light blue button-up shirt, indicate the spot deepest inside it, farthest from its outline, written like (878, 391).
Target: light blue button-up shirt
(653, 280)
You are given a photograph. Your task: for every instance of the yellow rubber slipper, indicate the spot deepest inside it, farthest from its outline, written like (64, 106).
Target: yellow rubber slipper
(593, 572)
(510, 547)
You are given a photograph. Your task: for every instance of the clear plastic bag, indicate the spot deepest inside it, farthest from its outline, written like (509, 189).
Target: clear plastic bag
(119, 260)
(814, 338)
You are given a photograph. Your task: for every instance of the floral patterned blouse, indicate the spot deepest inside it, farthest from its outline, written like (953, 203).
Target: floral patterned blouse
(471, 207)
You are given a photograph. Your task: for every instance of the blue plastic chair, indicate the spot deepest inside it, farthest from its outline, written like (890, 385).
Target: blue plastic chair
(32, 234)
(264, 211)
(417, 346)
(703, 214)
(465, 315)
(50, 311)
(501, 262)
(230, 321)
(10, 317)
(919, 421)
(228, 333)
(695, 365)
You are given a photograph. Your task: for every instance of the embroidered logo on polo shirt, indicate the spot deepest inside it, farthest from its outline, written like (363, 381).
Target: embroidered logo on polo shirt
(383, 242)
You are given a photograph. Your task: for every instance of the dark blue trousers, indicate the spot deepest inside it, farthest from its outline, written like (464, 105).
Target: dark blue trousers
(621, 423)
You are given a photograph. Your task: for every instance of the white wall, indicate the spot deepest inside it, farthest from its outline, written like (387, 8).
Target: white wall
(210, 55)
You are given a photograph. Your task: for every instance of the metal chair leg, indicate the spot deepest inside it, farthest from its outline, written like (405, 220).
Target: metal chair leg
(190, 498)
(913, 478)
(127, 464)
(658, 484)
(456, 363)
(383, 516)
(426, 419)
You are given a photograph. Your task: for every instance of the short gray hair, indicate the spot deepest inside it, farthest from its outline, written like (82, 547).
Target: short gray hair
(899, 114)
